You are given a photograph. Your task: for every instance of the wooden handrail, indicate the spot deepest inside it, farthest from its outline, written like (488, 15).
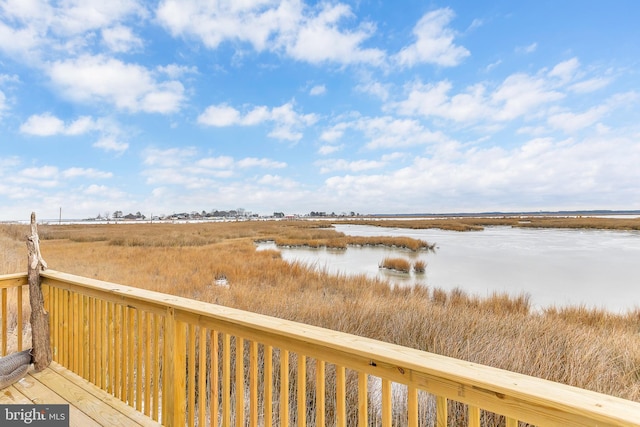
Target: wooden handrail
(13, 280)
(146, 348)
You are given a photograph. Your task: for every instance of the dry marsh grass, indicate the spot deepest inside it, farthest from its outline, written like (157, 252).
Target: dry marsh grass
(583, 347)
(340, 241)
(13, 253)
(419, 266)
(396, 264)
(478, 223)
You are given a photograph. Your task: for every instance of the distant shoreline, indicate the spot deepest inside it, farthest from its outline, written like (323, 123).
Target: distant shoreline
(450, 215)
(595, 212)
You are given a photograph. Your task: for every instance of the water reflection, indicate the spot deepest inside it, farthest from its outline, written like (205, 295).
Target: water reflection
(593, 267)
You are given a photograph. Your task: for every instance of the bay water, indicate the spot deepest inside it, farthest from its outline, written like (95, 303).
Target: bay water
(595, 268)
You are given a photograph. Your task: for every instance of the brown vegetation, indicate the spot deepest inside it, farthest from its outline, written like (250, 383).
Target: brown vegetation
(419, 266)
(397, 264)
(478, 223)
(574, 345)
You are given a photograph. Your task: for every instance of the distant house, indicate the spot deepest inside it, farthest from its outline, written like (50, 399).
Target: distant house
(133, 217)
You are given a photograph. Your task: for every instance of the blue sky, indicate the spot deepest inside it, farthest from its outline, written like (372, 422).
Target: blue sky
(363, 106)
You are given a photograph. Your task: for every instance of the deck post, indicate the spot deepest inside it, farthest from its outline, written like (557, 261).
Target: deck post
(173, 371)
(41, 345)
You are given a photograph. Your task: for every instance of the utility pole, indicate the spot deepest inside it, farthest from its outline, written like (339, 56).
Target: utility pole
(60, 217)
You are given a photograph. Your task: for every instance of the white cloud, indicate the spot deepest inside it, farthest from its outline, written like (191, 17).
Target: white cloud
(532, 130)
(168, 158)
(390, 132)
(178, 177)
(183, 167)
(493, 65)
(253, 162)
(286, 121)
(121, 39)
(383, 132)
(85, 173)
(186, 161)
(434, 100)
(434, 42)
(43, 172)
(216, 22)
(47, 124)
(256, 116)
(318, 39)
(331, 165)
(334, 133)
(78, 16)
(393, 156)
(37, 29)
(624, 99)
(565, 70)
(24, 27)
(82, 125)
(318, 90)
(375, 88)
(476, 23)
(97, 190)
(49, 176)
(285, 133)
(9, 78)
(542, 169)
(4, 79)
(111, 143)
(278, 181)
(220, 162)
(220, 116)
(176, 71)
(3, 103)
(590, 85)
(128, 87)
(329, 149)
(17, 41)
(519, 95)
(43, 125)
(305, 33)
(571, 122)
(527, 49)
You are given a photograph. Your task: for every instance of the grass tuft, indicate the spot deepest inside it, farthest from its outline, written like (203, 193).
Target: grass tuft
(396, 264)
(419, 266)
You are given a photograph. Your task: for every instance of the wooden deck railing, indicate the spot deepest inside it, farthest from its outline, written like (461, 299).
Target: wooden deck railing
(178, 361)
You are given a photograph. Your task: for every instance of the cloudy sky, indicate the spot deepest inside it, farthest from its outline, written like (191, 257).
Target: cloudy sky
(299, 106)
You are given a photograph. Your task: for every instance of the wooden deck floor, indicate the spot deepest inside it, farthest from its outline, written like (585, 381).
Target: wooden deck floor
(88, 405)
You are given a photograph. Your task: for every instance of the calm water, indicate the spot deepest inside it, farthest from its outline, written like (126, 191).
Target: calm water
(592, 267)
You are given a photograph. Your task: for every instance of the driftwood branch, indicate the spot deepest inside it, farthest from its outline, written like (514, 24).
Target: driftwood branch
(41, 347)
